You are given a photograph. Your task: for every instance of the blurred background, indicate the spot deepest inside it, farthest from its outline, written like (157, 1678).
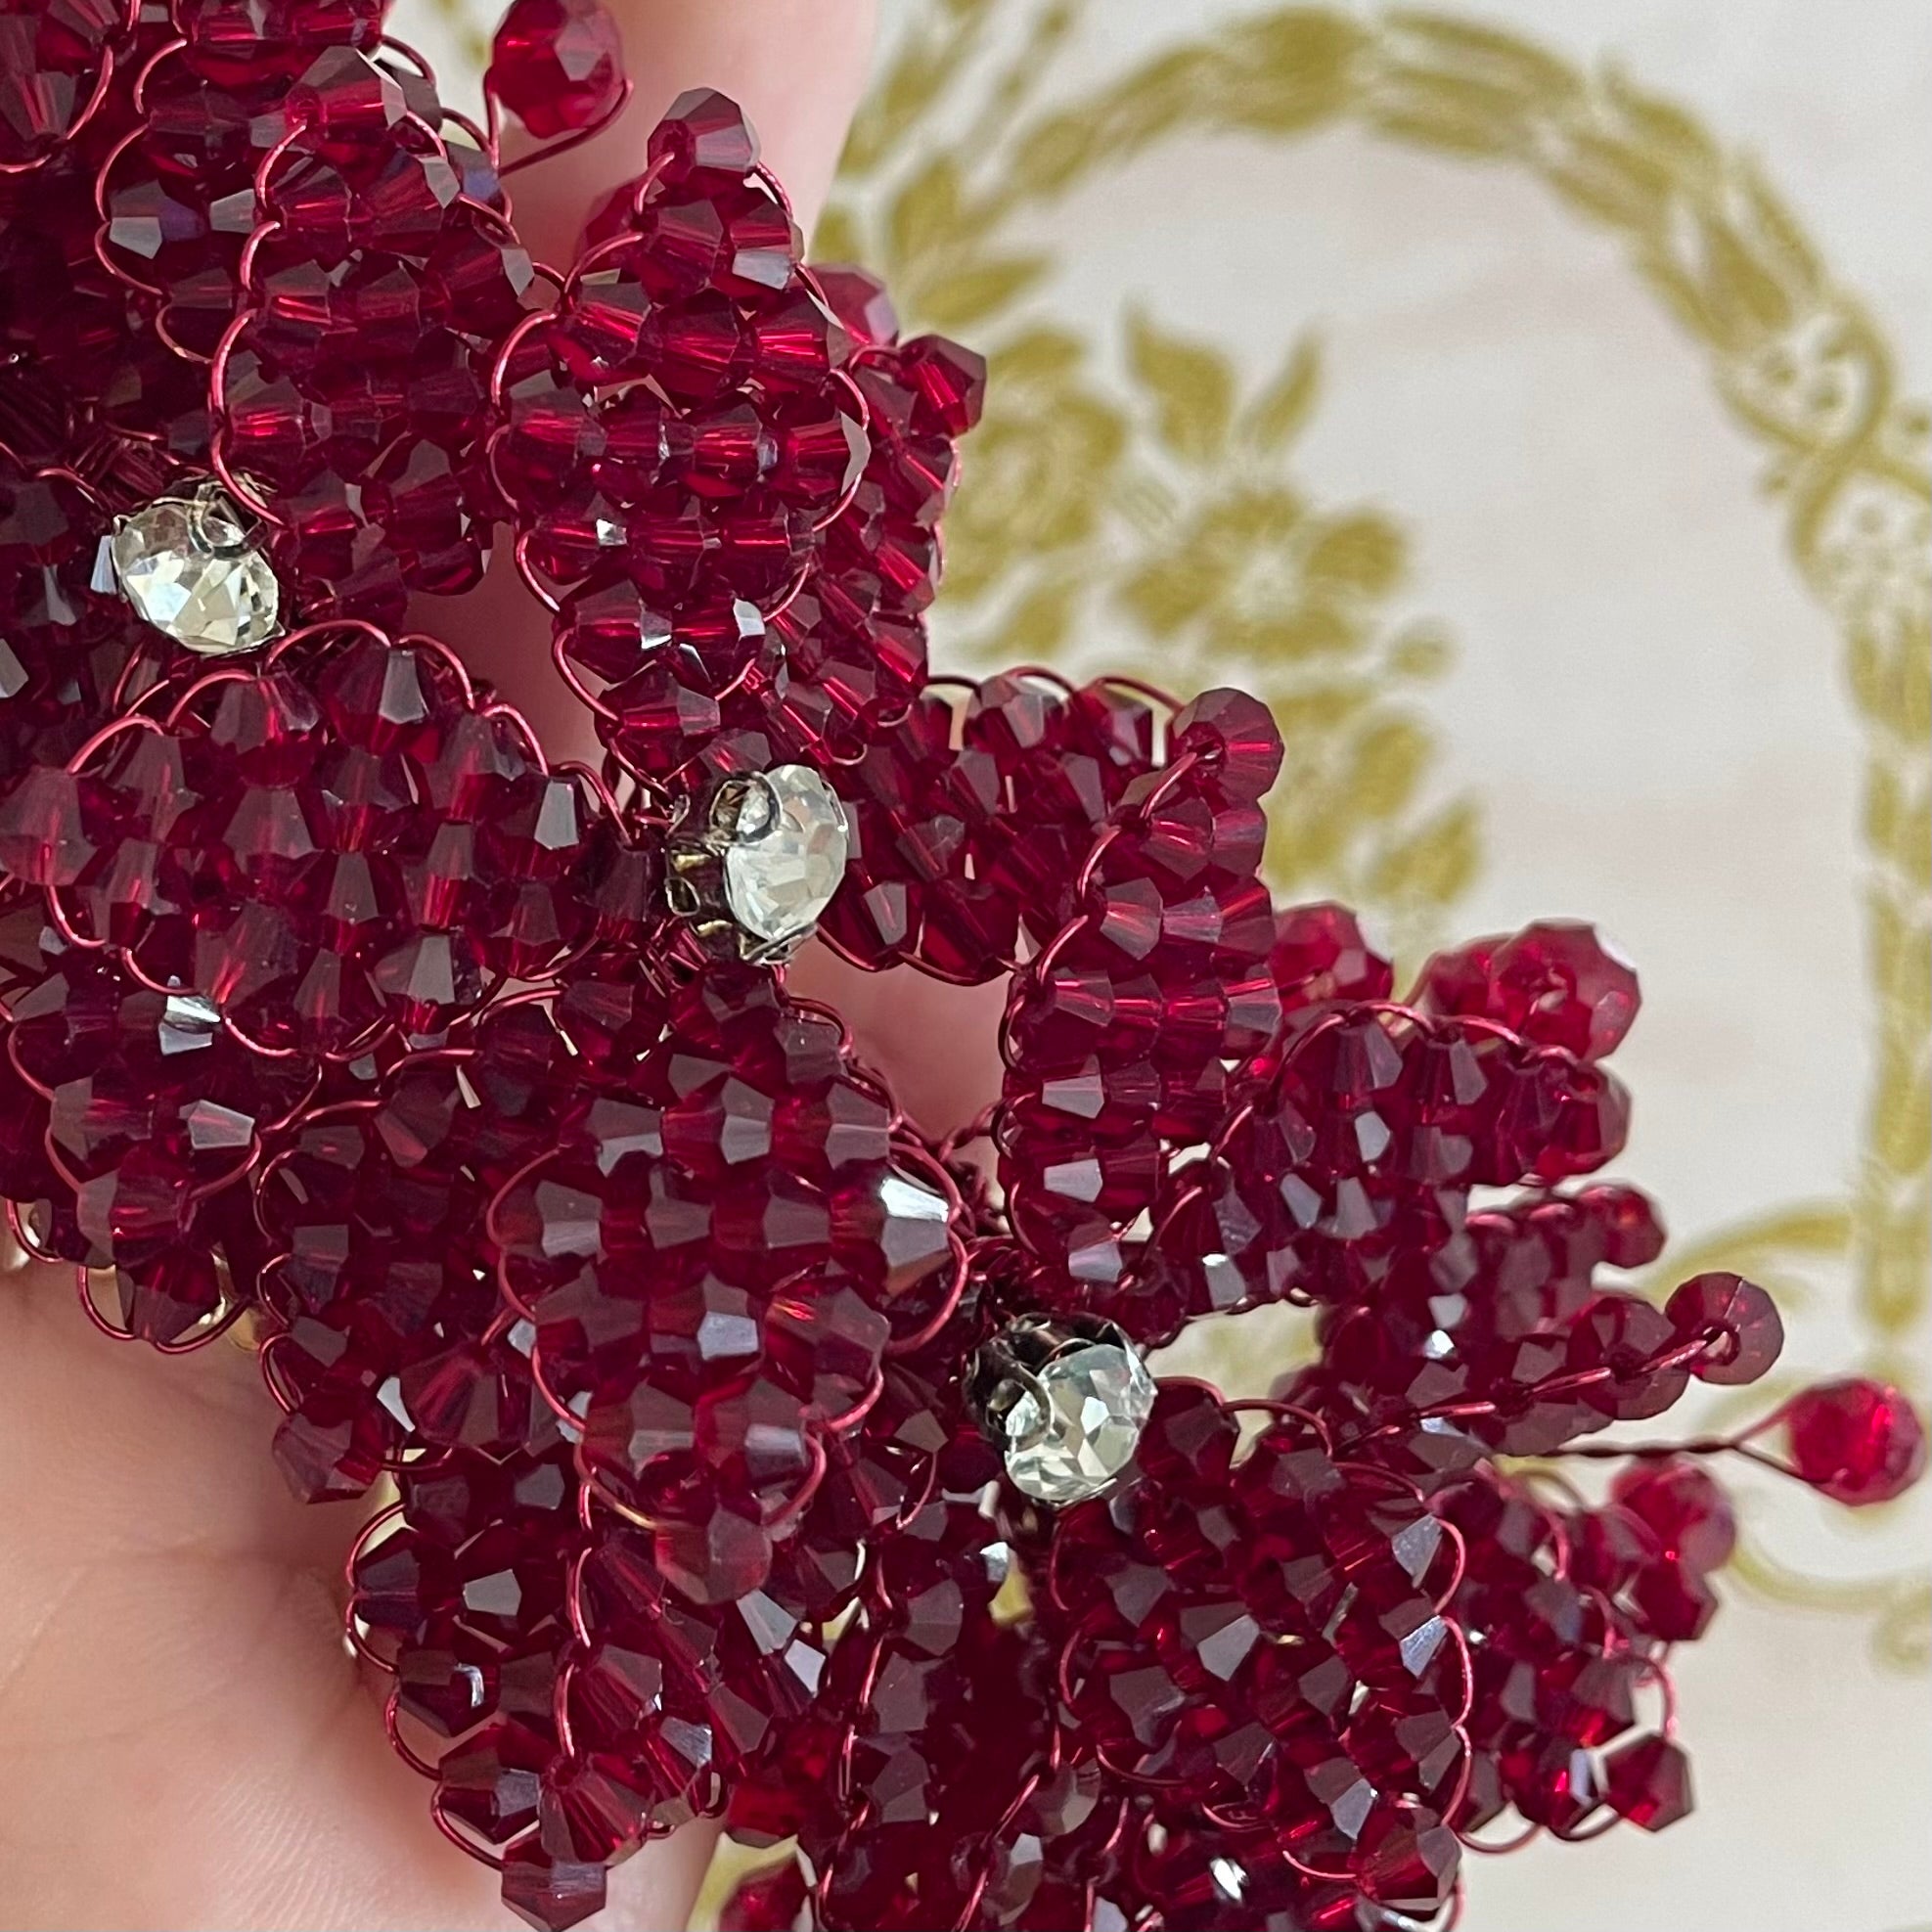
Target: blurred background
(1524, 398)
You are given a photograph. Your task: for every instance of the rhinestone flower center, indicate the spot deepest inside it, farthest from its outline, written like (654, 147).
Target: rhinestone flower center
(188, 567)
(786, 854)
(1064, 1406)
(768, 860)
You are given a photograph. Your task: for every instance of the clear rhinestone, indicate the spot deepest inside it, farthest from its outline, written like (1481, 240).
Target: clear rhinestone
(190, 1022)
(1067, 1408)
(785, 853)
(188, 567)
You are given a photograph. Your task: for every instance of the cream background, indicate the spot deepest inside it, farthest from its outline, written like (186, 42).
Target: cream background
(1653, 710)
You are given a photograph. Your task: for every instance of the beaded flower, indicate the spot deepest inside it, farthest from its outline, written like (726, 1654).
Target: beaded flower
(743, 1448)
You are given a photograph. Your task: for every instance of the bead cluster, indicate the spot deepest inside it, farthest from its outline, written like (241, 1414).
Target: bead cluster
(753, 1452)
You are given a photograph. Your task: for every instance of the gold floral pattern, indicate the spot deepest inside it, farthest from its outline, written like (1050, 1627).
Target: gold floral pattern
(1045, 461)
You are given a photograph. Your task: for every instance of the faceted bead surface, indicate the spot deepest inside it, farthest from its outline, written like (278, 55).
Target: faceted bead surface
(50, 70)
(551, 1893)
(1556, 981)
(1741, 1321)
(1320, 954)
(1857, 1442)
(1686, 1509)
(558, 65)
(1648, 1782)
(766, 1900)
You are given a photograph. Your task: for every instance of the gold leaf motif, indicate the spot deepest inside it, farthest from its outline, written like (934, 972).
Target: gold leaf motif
(1912, 988)
(1452, 110)
(1911, 706)
(1503, 59)
(1276, 417)
(1363, 555)
(1286, 71)
(1430, 126)
(1045, 461)
(1611, 181)
(927, 60)
(1042, 620)
(1168, 593)
(1433, 866)
(924, 215)
(1902, 1113)
(968, 295)
(1053, 154)
(1795, 261)
(836, 238)
(908, 86)
(1192, 387)
(1386, 761)
(1311, 628)
(1419, 653)
(1901, 1608)
(1674, 136)
(1904, 1633)
(1913, 848)
(1884, 807)
(1041, 353)
(1772, 1248)
(1742, 288)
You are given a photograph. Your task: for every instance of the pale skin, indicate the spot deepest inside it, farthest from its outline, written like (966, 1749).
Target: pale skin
(183, 1740)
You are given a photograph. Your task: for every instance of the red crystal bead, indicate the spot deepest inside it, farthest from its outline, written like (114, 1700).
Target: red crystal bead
(1648, 1781)
(1671, 1601)
(54, 65)
(1179, 1593)
(704, 131)
(347, 98)
(754, 1181)
(765, 1900)
(1162, 970)
(548, 1892)
(354, 390)
(43, 837)
(1319, 955)
(1556, 982)
(64, 647)
(1621, 1338)
(861, 303)
(1740, 1319)
(558, 65)
(1686, 1509)
(329, 1447)
(1236, 735)
(262, 39)
(1855, 1441)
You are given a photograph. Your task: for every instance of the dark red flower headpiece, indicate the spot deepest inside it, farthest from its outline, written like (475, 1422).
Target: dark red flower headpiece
(754, 1453)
